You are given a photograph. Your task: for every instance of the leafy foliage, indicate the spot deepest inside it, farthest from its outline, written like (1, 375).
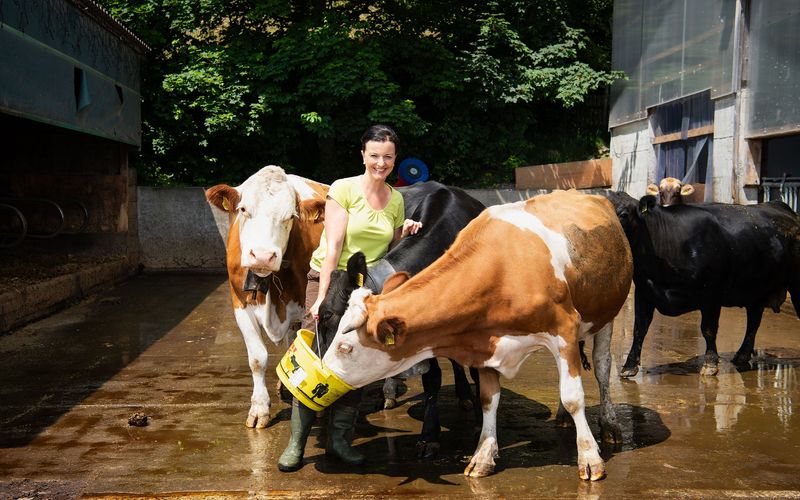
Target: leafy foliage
(473, 88)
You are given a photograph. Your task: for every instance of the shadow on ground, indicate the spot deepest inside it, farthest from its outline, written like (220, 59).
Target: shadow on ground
(48, 370)
(527, 435)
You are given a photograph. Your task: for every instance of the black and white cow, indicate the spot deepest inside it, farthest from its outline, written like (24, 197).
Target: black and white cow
(706, 257)
(443, 211)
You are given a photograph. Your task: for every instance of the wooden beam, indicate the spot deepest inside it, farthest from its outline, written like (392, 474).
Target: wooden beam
(576, 174)
(676, 136)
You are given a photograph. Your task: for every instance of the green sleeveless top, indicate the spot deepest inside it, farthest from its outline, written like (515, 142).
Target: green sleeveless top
(368, 230)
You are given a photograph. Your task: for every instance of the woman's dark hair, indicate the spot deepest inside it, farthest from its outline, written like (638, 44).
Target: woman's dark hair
(379, 133)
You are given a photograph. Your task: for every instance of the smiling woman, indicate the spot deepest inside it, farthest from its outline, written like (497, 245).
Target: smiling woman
(362, 214)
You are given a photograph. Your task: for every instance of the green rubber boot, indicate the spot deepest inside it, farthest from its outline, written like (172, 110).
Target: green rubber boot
(302, 420)
(341, 425)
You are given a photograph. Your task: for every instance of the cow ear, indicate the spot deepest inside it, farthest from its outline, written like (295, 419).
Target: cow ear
(223, 197)
(312, 210)
(353, 319)
(357, 269)
(652, 189)
(647, 203)
(355, 316)
(390, 332)
(687, 189)
(394, 281)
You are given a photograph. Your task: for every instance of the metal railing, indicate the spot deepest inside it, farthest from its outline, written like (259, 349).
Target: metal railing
(786, 189)
(22, 218)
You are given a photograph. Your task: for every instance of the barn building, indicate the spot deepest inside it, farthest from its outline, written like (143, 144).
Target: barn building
(70, 115)
(711, 97)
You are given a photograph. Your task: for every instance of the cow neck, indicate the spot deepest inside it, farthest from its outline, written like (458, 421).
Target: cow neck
(441, 298)
(303, 240)
(377, 274)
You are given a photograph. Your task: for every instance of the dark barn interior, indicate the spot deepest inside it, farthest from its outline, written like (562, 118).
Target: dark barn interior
(69, 117)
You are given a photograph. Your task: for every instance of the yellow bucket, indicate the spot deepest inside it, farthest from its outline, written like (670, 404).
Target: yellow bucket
(303, 373)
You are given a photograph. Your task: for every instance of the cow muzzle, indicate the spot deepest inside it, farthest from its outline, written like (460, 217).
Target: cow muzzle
(262, 261)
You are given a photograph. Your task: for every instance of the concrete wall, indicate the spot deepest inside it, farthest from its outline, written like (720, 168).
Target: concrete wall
(633, 159)
(724, 157)
(178, 229)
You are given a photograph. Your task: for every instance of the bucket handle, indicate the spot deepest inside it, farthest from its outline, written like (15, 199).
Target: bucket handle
(316, 336)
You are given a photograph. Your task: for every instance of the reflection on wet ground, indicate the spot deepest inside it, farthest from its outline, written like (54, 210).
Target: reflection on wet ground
(167, 346)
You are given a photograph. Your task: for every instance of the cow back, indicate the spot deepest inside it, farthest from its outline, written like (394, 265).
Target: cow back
(688, 256)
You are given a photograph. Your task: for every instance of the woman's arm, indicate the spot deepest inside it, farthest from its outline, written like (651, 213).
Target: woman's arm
(335, 228)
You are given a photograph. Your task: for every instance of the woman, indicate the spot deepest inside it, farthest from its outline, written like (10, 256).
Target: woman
(362, 213)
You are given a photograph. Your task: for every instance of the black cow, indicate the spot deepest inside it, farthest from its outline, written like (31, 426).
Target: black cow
(705, 257)
(443, 211)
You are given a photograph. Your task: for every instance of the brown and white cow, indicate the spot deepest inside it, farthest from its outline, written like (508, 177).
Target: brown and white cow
(670, 191)
(275, 224)
(547, 272)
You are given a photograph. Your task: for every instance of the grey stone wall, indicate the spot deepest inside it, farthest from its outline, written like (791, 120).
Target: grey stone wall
(178, 229)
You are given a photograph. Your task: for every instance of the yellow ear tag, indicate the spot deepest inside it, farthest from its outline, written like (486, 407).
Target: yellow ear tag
(360, 282)
(226, 205)
(389, 339)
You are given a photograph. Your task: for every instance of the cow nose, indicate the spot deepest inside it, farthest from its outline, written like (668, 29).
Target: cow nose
(261, 257)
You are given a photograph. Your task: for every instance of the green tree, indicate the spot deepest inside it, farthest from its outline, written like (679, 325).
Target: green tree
(473, 88)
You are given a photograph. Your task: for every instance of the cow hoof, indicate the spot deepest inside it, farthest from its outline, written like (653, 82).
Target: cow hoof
(389, 403)
(465, 404)
(592, 472)
(709, 370)
(611, 432)
(741, 359)
(258, 417)
(255, 422)
(629, 372)
(427, 450)
(475, 469)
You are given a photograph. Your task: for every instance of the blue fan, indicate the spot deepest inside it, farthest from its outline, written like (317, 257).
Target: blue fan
(413, 170)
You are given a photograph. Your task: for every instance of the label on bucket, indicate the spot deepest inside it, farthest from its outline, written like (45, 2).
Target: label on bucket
(297, 376)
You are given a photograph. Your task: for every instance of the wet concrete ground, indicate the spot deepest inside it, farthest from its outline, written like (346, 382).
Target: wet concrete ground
(167, 346)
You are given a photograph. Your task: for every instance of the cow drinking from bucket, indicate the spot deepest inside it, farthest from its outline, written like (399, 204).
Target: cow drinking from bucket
(705, 257)
(275, 224)
(547, 272)
(443, 211)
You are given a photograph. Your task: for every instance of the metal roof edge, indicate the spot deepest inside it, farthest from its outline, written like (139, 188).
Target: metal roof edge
(99, 14)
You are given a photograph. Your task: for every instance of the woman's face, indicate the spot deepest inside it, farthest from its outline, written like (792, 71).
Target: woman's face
(379, 159)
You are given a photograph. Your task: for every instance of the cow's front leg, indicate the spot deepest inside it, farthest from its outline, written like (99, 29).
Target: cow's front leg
(709, 324)
(258, 416)
(428, 444)
(590, 465)
(482, 463)
(466, 399)
(643, 315)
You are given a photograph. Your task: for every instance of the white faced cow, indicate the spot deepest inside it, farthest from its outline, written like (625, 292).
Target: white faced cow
(275, 224)
(547, 272)
(670, 191)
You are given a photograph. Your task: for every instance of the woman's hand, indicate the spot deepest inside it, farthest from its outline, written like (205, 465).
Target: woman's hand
(410, 227)
(314, 310)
